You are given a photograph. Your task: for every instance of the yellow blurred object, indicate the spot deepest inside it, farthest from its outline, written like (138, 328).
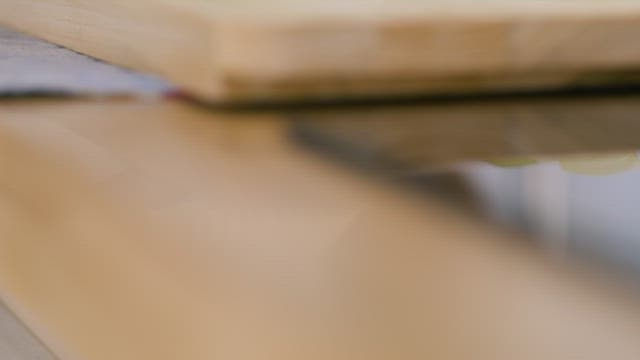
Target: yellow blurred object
(514, 162)
(607, 164)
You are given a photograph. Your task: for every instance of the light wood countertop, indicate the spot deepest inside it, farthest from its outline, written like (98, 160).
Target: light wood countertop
(161, 230)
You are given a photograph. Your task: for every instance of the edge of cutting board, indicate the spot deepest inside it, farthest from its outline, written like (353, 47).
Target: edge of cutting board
(265, 58)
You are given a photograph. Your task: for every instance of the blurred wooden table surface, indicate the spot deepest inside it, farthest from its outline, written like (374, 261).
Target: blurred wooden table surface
(161, 230)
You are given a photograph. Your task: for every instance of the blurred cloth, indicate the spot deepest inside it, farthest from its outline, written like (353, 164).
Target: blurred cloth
(31, 66)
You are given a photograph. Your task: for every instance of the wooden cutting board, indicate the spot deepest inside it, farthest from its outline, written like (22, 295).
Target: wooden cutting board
(250, 50)
(159, 231)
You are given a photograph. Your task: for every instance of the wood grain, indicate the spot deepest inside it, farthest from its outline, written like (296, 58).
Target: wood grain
(228, 51)
(162, 231)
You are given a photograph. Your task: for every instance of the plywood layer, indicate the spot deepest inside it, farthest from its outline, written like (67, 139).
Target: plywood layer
(275, 50)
